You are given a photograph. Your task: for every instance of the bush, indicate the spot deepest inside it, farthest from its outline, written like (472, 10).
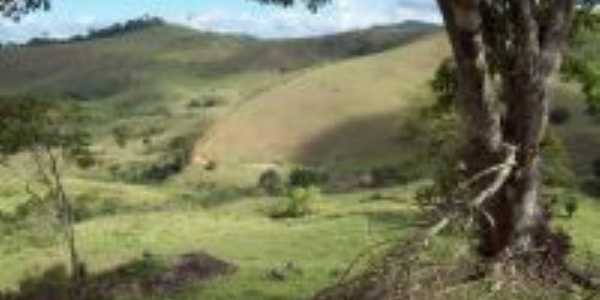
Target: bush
(556, 167)
(195, 103)
(571, 206)
(388, 175)
(120, 136)
(271, 182)
(445, 85)
(303, 177)
(559, 115)
(298, 204)
(147, 172)
(207, 101)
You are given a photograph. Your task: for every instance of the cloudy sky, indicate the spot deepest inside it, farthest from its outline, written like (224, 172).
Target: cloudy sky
(69, 17)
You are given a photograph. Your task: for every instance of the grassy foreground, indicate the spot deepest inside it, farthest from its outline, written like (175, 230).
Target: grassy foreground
(238, 231)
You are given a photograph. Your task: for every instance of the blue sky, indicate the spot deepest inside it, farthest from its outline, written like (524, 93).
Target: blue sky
(69, 17)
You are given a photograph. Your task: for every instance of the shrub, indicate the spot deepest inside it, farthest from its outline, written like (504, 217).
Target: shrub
(147, 172)
(271, 182)
(195, 103)
(304, 177)
(388, 175)
(211, 165)
(559, 115)
(207, 101)
(181, 149)
(85, 161)
(556, 167)
(445, 85)
(298, 204)
(571, 206)
(120, 136)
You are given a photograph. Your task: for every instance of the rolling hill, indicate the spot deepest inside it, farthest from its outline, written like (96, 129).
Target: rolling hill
(164, 82)
(346, 112)
(337, 100)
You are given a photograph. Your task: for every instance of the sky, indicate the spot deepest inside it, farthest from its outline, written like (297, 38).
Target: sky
(70, 17)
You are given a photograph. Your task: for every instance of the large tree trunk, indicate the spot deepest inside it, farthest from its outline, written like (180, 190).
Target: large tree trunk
(525, 57)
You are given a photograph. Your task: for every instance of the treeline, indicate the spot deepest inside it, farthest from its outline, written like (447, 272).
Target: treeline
(110, 31)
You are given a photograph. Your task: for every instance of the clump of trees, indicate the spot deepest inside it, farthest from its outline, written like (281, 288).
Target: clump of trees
(307, 177)
(116, 29)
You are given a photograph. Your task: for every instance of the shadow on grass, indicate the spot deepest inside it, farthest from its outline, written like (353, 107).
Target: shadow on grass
(142, 278)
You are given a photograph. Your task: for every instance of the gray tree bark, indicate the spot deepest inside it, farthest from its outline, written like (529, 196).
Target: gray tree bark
(521, 41)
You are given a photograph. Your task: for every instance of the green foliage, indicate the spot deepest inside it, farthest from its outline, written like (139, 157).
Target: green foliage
(181, 148)
(121, 135)
(27, 123)
(174, 157)
(396, 174)
(306, 177)
(208, 101)
(272, 183)
(445, 86)
(556, 163)
(299, 203)
(588, 75)
(313, 5)
(116, 29)
(582, 62)
(571, 206)
(15, 9)
(439, 129)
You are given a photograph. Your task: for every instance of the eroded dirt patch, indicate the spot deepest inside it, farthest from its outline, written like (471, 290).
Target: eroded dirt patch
(143, 277)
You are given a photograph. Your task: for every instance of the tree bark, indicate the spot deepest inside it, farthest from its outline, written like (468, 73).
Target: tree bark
(526, 52)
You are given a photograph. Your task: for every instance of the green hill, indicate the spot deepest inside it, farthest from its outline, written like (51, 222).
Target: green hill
(164, 82)
(345, 112)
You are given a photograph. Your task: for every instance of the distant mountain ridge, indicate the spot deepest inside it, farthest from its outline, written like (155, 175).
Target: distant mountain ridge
(146, 22)
(108, 60)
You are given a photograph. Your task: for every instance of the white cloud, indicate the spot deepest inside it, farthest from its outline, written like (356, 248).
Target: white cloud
(342, 15)
(262, 21)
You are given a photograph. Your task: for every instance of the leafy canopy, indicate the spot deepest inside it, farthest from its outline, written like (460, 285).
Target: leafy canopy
(30, 124)
(313, 5)
(15, 9)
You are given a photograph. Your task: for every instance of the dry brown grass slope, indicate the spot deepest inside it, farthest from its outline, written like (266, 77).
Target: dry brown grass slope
(345, 112)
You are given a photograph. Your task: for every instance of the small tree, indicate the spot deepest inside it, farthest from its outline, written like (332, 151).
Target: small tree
(271, 182)
(121, 136)
(305, 177)
(445, 85)
(50, 134)
(571, 206)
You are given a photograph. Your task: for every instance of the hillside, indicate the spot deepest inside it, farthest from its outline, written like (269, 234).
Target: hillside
(114, 63)
(350, 111)
(161, 84)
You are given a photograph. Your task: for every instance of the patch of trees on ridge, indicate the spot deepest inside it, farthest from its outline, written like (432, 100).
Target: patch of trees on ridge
(110, 31)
